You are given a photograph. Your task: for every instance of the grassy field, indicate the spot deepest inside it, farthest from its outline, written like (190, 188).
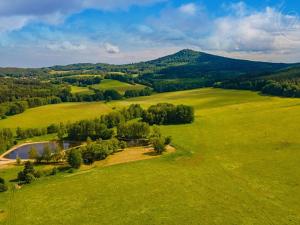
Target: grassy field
(46, 115)
(117, 85)
(81, 90)
(238, 163)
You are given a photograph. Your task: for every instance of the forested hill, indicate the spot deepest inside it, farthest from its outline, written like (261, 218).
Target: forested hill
(192, 64)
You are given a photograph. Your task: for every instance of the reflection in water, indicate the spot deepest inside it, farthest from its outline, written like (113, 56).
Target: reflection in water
(22, 151)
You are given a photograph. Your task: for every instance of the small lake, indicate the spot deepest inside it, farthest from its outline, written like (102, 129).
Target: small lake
(23, 150)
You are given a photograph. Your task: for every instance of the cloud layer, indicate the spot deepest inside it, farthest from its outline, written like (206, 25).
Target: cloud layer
(84, 30)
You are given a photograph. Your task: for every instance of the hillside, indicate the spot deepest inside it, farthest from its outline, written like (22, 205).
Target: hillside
(238, 163)
(285, 74)
(192, 64)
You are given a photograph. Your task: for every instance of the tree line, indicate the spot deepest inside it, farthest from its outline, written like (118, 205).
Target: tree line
(82, 80)
(285, 88)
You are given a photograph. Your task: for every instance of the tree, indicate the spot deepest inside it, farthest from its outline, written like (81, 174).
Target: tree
(33, 153)
(57, 155)
(18, 161)
(75, 158)
(46, 155)
(133, 130)
(28, 174)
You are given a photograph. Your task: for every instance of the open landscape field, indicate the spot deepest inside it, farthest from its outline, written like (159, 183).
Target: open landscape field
(81, 90)
(117, 85)
(238, 163)
(49, 114)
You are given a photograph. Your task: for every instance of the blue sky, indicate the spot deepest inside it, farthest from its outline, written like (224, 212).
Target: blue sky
(36, 33)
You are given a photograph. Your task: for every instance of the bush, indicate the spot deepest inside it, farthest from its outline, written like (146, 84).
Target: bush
(158, 145)
(29, 178)
(123, 144)
(75, 158)
(28, 174)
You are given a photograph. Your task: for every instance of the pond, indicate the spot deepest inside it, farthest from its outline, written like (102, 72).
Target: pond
(23, 150)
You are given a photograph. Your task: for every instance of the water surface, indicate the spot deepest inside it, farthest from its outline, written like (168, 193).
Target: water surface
(23, 150)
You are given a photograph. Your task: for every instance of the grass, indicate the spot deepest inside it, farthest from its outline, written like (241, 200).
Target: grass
(238, 163)
(117, 85)
(80, 90)
(45, 115)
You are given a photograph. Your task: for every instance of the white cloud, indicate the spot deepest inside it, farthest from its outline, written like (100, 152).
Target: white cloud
(13, 23)
(65, 45)
(269, 30)
(15, 14)
(189, 9)
(111, 49)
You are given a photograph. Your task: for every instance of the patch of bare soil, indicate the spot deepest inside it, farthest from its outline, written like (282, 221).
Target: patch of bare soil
(133, 154)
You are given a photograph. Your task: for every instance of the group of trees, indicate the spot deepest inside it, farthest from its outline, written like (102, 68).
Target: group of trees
(82, 80)
(16, 95)
(180, 84)
(28, 174)
(133, 130)
(22, 133)
(101, 128)
(136, 93)
(286, 88)
(99, 150)
(165, 113)
(83, 129)
(48, 155)
(6, 139)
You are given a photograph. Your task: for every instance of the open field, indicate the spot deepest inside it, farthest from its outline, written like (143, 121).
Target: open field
(238, 163)
(81, 90)
(45, 115)
(117, 85)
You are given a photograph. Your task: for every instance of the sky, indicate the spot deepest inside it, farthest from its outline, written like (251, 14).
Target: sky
(35, 33)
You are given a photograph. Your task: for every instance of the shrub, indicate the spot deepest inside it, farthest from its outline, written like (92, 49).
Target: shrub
(158, 145)
(29, 178)
(123, 144)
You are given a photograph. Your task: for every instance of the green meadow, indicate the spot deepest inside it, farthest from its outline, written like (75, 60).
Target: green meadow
(45, 115)
(238, 163)
(117, 85)
(80, 90)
